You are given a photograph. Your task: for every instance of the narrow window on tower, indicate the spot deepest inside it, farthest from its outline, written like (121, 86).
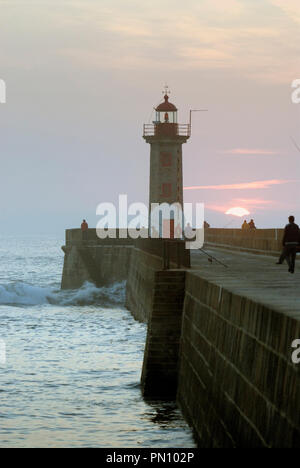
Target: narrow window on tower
(166, 190)
(166, 159)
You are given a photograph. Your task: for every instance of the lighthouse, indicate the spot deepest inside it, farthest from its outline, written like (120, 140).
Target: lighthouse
(166, 137)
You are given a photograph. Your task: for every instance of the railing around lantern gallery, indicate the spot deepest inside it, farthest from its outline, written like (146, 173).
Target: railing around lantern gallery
(168, 129)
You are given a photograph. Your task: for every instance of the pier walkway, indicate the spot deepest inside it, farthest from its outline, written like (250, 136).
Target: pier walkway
(254, 276)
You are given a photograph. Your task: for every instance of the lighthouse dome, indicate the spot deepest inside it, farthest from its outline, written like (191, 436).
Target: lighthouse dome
(166, 106)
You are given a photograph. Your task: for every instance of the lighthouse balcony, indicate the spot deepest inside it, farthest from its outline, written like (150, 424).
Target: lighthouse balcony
(161, 129)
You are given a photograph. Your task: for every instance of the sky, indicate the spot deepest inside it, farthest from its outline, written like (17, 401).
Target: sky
(82, 77)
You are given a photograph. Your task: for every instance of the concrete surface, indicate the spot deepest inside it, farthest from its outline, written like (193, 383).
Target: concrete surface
(253, 276)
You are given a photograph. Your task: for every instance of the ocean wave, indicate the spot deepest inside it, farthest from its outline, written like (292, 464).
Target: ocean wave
(24, 294)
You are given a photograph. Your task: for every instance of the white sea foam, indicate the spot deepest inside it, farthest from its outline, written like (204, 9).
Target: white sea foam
(25, 294)
(89, 294)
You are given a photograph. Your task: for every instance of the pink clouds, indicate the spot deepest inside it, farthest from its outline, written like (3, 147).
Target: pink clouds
(254, 201)
(262, 184)
(250, 205)
(248, 151)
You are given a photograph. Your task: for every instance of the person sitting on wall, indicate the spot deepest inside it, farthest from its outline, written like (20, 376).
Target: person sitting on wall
(188, 231)
(290, 242)
(245, 226)
(84, 229)
(252, 224)
(206, 225)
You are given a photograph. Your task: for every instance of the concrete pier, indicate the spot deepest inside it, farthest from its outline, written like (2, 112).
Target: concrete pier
(219, 339)
(238, 386)
(252, 276)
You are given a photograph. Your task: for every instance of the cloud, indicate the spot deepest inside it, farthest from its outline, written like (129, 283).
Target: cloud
(225, 210)
(251, 205)
(246, 151)
(219, 208)
(289, 7)
(258, 41)
(257, 204)
(262, 184)
(253, 201)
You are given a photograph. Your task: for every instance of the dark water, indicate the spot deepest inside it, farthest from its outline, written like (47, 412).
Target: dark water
(73, 360)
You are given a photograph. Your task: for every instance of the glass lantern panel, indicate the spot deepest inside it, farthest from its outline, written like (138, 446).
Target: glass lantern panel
(170, 117)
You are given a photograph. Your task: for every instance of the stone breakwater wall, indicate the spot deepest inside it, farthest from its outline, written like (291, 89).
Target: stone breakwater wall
(99, 264)
(258, 241)
(99, 261)
(141, 279)
(237, 385)
(224, 357)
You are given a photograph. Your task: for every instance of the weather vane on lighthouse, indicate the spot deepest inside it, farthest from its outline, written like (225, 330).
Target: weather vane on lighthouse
(166, 90)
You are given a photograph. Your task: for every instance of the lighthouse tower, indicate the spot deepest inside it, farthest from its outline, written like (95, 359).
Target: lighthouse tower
(166, 137)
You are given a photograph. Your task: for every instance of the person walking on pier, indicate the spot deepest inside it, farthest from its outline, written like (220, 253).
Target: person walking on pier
(290, 243)
(84, 229)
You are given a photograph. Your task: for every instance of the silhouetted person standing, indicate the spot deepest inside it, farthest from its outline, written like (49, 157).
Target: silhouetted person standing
(245, 226)
(84, 229)
(252, 224)
(290, 242)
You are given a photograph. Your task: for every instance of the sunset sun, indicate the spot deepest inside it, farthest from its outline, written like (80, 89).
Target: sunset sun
(237, 211)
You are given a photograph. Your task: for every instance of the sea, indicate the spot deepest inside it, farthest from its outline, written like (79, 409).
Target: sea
(70, 361)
